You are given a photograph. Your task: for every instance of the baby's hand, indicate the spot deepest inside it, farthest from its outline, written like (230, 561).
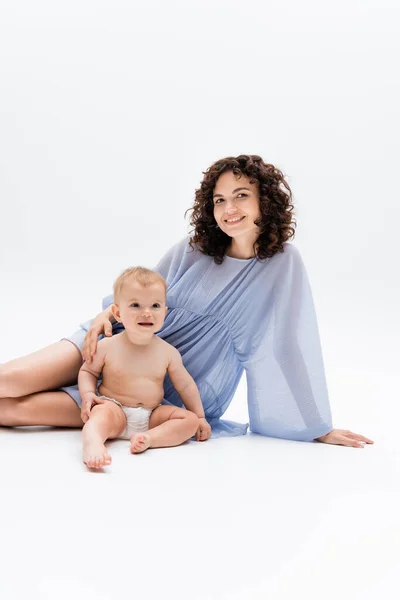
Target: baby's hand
(88, 401)
(204, 431)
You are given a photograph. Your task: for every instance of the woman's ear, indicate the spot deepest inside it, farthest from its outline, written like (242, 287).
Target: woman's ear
(116, 312)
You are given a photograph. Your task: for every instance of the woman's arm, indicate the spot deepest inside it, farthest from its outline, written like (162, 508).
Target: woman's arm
(287, 392)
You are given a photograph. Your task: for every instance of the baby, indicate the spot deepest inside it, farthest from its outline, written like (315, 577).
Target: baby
(133, 365)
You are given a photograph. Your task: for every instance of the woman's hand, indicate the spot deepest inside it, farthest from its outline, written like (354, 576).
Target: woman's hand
(204, 431)
(101, 325)
(343, 437)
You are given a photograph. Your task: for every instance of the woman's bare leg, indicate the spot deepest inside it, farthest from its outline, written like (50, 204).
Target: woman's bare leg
(47, 369)
(55, 409)
(106, 421)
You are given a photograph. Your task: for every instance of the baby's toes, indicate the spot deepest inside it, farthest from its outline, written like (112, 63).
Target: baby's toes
(106, 459)
(91, 462)
(103, 460)
(139, 442)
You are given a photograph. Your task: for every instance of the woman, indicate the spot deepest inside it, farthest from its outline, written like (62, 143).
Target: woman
(238, 299)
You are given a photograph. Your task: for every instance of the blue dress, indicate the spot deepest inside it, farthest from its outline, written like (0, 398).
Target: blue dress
(244, 315)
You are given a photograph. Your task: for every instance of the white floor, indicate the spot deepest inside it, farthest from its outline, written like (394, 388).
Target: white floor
(247, 517)
(103, 141)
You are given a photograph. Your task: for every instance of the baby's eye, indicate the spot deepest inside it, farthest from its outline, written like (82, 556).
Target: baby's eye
(135, 305)
(156, 305)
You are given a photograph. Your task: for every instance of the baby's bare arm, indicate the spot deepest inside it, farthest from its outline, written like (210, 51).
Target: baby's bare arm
(184, 383)
(89, 373)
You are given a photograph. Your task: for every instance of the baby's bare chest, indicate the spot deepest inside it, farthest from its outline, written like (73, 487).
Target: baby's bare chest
(134, 364)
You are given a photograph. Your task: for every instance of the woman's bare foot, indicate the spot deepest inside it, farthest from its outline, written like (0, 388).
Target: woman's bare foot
(139, 442)
(95, 454)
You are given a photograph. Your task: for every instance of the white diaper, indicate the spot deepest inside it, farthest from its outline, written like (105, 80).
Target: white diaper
(137, 418)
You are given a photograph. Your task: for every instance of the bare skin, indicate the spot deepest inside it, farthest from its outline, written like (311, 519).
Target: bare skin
(106, 422)
(51, 409)
(168, 426)
(133, 366)
(26, 383)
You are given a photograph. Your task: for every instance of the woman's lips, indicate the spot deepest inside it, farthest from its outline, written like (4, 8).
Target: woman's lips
(235, 222)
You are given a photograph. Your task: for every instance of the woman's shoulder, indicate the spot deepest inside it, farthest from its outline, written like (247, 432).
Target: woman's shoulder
(290, 257)
(290, 252)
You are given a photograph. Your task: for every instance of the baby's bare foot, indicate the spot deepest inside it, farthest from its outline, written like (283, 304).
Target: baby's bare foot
(139, 442)
(95, 454)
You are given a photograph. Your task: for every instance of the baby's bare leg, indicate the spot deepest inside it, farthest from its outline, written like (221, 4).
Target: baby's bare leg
(168, 426)
(106, 421)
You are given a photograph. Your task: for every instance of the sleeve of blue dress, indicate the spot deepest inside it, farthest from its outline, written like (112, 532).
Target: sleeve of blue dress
(287, 393)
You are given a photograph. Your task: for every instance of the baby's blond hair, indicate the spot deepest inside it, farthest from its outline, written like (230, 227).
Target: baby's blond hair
(142, 276)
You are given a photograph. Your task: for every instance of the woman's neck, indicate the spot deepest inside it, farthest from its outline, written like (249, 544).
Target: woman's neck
(242, 249)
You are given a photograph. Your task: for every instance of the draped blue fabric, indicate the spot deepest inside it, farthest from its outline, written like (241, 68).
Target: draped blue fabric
(253, 316)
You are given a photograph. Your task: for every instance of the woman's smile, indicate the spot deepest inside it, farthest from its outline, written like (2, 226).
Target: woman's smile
(234, 220)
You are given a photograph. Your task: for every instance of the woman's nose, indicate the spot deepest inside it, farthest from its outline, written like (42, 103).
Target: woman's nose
(230, 206)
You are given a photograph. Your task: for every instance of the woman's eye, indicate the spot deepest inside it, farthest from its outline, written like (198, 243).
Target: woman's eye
(241, 196)
(218, 200)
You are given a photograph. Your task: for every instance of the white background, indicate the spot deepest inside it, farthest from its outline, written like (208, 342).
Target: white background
(109, 113)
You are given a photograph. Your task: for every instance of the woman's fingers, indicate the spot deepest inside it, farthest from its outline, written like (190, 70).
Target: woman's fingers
(344, 437)
(101, 325)
(356, 444)
(356, 440)
(350, 439)
(361, 438)
(93, 344)
(86, 348)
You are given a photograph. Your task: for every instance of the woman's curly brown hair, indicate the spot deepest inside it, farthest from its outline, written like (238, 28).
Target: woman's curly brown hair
(277, 222)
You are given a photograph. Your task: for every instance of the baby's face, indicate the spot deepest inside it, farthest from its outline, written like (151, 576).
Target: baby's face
(142, 309)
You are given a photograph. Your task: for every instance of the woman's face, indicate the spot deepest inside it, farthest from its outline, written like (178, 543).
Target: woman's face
(236, 205)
